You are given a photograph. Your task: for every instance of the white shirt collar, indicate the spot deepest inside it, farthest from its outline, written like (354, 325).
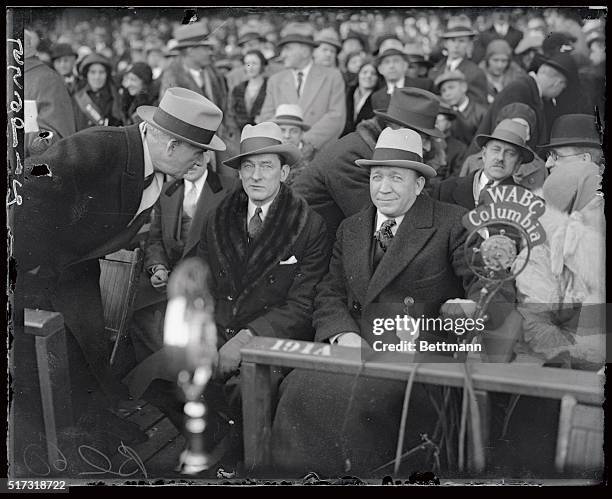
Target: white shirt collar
(463, 106)
(148, 162)
(453, 64)
(380, 218)
(264, 209)
(199, 184)
(398, 84)
(197, 76)
(304, 72)
(482, 181)
(533, 75)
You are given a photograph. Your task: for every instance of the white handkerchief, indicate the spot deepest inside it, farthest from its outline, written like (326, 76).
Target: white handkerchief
(289, 261)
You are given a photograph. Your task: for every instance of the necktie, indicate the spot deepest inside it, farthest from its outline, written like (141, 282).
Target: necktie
(255, 224)
(148, 180)
(207, 85)
(383, 237)
(485, 187)
(300, 79)
(191, 199)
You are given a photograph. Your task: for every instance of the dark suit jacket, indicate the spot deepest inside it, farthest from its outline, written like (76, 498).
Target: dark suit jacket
(467, 122)
(524, 90)
(513, 37)
(69, 219)
(380, 98)
(476, 79)
(425, 261)
(366, 111)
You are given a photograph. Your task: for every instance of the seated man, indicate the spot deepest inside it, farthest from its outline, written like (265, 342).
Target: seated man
(178, 218)
(405, 249)
(502, 154)
(267, 251)
(290, 119)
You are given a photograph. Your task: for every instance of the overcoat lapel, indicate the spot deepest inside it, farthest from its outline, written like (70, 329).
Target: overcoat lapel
(171, 207)
(412, 235)
(357, 251)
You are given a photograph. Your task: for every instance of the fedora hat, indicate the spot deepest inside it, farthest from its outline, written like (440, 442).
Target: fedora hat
(413, 108)
(297, 33)
(574, 130)
(61, 50)
(564, 63)
(328, 35)
(183, 114)
(511, 132)
(290, 114)
(402, 148)
(458, 26)
(264, 138)
(447, 110)
(531, 41)
(449, 76)
(247, 36)
(192, 35)
(390, 51)
(414, 52)
(381, 45)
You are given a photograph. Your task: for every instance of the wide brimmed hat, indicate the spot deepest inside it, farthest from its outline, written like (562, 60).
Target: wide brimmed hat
(381, 45)
(532, 41)
(264, 138)
(449, 76)
(564, 63)
(290, 114)
(183, 114)
(447, 110)
(414, 52)
(192, 35)
(297, 32)
(413, 108)
(248, 36)
(458, 26)
(401, 148)
(574, 130)
(391, 51)
(62, 49)
(328, 35)
(511, 132)
(94, 58)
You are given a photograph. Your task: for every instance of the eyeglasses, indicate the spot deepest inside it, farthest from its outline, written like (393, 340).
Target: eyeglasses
(554, 156)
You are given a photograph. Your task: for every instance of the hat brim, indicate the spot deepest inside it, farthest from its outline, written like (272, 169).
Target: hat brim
(457, 34)
(147, 112)
(431, 132)
(562, 69)
(301, 124)
(422, 168)
(184, 45)
(527, 153)
(570, 142)
(330, 42)
(289, 39)
(289, 152)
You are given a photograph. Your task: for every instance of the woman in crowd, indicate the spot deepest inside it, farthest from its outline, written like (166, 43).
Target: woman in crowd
(358, 96)
(561, 290)
(499, 67)
(98, 102)
(248, 96)
(354, 61)
(135, 91)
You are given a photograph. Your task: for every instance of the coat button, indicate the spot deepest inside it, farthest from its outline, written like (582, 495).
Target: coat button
(230, 298)
(356, 306)
(271, 279)
(409, 300)
(222, 273)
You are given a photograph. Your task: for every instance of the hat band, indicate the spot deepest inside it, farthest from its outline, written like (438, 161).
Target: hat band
(288, 117)
(413, 118)
(387, 153)
(182, 128)
(255, 143)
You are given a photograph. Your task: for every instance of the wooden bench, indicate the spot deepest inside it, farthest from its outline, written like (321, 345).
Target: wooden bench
(261, 354)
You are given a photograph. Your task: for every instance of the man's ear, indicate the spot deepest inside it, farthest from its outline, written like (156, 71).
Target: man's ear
(285, 169)
(170, 146)
(206, 155)
(420, 183)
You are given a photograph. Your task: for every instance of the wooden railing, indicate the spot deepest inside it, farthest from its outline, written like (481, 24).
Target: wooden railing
(261, 354)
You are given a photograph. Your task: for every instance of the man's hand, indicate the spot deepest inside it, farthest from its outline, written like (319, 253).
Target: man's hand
(351, 340)
(159, 277)
(457, 308)
(229, 354)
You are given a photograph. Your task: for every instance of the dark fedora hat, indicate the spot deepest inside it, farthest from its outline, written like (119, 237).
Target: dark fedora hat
(413, 108)
(447, 110)
(574, 130)
(511, 132)
(192, 35)
(62, 49)
(458, 26)
(297, 32)
(383, 38)
(390, 51)
(564, 63)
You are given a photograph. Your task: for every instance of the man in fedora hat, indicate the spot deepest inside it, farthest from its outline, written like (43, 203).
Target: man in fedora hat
(404, 249)
(63, 58)
(458, 39)
(337, 188)
(267, 251)
(392, 64)
(290, 119)
(100, 187)
(418, 65)
(328, 48)
(502, 153)
(318, 90)
(574, 139)
(533, 90)
(453, 89)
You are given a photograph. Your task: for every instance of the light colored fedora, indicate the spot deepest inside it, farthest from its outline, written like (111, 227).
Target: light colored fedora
(290, 114)
(188, 116)
(511, 132)
(448, 76)
(297, 32)
(264, 138)
(458, 26)
(402, 148)
(192, 35)
(328, 35)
